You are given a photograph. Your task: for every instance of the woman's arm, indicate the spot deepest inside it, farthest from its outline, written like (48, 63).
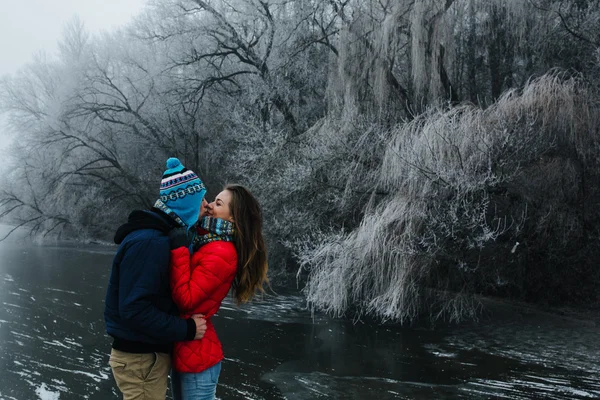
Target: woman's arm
(194, 285)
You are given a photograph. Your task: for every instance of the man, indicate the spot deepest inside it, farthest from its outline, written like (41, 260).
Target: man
(139, 312)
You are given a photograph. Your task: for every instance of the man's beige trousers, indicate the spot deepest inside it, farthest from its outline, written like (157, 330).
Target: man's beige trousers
(141, 376)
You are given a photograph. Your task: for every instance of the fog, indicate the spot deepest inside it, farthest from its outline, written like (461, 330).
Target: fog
(33, 27)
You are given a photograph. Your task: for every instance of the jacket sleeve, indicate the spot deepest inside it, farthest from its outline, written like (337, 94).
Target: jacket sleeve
(141, 271)
(193, 285)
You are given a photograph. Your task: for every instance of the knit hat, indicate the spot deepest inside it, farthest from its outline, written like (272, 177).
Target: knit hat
(182, 191)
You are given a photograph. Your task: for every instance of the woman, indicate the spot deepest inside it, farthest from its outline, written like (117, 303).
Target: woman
(228, 252)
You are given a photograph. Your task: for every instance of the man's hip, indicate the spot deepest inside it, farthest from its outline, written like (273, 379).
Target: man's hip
(141, 376)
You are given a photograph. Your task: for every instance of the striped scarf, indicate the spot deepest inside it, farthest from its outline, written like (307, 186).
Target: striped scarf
(218, 229)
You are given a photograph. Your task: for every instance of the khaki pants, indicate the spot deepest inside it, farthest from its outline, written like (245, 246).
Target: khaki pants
(141, 376)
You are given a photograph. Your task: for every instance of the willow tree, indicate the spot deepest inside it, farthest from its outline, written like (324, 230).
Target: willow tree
(459, 207)
(474, 208)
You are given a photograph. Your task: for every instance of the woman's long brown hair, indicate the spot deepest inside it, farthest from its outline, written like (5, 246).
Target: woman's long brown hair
(249, 243)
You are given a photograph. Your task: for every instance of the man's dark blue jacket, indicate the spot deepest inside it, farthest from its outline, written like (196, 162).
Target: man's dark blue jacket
(139, 312)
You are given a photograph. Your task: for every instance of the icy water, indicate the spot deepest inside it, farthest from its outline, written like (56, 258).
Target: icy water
(53, 345)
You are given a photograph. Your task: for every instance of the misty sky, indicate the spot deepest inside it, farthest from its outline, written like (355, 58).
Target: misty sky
(31, 26)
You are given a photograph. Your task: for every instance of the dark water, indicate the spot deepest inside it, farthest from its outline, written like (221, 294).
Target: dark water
(53, 345)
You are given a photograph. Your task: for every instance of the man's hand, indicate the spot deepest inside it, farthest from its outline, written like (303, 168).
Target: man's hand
(200, 325)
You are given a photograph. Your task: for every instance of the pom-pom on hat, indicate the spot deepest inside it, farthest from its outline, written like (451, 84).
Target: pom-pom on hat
(182, 191)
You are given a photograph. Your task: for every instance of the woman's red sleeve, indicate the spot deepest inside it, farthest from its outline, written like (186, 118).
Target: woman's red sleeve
(193, 286)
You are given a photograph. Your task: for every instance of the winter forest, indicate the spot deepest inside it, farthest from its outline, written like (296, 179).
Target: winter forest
(410, 156)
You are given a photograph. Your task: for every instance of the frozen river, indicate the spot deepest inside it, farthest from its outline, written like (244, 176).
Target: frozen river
(53, 345)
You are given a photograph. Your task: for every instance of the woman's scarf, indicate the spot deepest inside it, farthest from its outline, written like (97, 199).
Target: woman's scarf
(217, 228)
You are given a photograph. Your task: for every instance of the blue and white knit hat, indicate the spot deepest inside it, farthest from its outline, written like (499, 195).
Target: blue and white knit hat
(182, 191)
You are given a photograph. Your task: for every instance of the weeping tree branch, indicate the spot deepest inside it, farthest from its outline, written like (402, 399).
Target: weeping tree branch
(389, 75)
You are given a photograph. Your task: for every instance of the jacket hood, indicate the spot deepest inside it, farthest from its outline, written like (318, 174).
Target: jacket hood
(141, 219)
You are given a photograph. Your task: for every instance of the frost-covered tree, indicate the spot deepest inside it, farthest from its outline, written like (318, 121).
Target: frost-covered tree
(415, 138)
(492, 202)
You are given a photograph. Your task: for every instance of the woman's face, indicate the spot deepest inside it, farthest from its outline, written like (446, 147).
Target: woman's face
(220, 208)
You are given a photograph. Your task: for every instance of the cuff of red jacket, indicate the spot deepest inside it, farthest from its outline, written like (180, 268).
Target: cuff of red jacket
(191, 329)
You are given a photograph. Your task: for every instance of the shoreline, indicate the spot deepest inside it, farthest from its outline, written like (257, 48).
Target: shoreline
(492, 307)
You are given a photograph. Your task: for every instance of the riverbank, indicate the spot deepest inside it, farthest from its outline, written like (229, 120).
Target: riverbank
(492, 307)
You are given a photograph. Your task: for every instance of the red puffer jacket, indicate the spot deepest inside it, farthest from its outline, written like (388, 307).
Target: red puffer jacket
(198, 286)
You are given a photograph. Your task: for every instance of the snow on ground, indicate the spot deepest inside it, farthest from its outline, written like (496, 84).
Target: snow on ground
(45, 394)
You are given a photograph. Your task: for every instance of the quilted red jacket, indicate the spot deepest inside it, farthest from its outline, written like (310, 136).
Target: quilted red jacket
(199, 284)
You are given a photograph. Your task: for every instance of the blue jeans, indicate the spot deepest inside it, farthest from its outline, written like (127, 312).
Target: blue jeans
(195, 386)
